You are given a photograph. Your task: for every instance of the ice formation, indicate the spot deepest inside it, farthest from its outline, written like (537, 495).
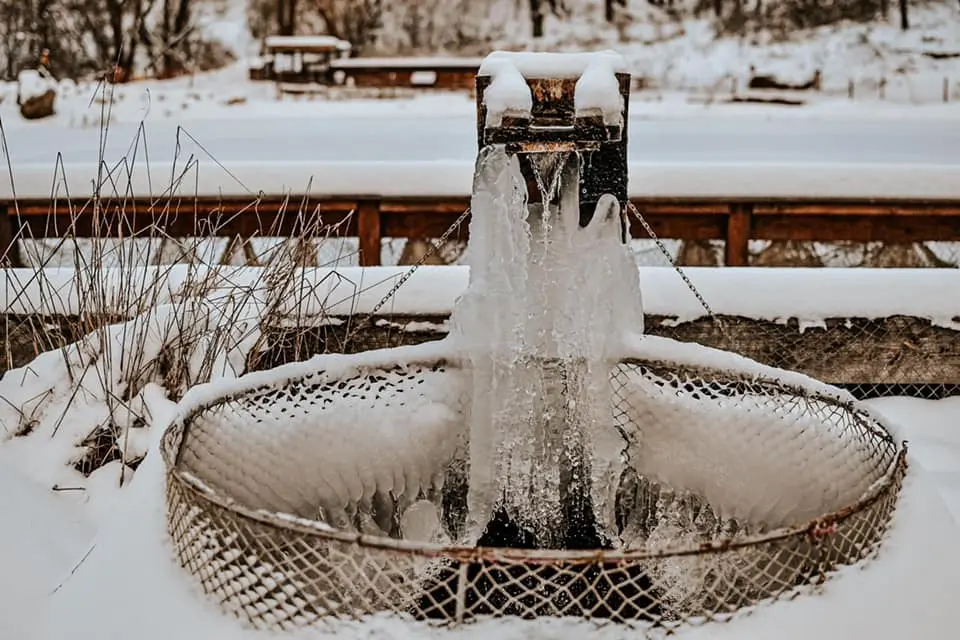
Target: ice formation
(541, 324)
(751, 459)
(304, 459)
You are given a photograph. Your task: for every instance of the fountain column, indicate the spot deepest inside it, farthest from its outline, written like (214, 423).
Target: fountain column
(553, 287)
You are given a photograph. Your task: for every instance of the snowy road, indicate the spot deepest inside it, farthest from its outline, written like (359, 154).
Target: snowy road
(397, 137)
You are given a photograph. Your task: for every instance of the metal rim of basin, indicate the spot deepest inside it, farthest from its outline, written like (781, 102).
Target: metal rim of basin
(276, 571)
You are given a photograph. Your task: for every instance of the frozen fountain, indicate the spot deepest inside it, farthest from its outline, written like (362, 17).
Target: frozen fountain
(546, 459)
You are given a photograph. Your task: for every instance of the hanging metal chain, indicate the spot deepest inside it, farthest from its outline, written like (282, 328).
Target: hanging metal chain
(409, 272)
(663, 250)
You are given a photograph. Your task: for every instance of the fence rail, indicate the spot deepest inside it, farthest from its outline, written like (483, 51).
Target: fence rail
(371, 219)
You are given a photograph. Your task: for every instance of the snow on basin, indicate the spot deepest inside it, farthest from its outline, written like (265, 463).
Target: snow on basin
(454, 178)
(130, 581)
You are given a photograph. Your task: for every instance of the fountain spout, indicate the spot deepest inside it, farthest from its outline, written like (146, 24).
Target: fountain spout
(543, 104)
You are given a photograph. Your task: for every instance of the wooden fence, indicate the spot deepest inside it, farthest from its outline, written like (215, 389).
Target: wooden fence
(734, 220)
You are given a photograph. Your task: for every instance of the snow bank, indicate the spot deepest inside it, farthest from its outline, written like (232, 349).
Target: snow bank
(42, 538)
(908, 592)
(454, 178)
(305, 42)
(777, 294)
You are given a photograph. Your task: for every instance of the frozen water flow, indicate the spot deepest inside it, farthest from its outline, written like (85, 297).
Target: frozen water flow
(541, 434)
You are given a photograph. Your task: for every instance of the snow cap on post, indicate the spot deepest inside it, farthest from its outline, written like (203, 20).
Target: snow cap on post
(597, 89)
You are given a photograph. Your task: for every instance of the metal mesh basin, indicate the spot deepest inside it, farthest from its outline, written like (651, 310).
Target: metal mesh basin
(242, 511)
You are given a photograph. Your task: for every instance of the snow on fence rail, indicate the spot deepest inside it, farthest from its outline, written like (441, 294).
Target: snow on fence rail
(809, 296)
(877, 331)
(454, 178)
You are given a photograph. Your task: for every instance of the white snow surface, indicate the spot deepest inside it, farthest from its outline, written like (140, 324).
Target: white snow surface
(452, 178)
(809, 295)
(507, 95)
(551, 65)
(129, 580)
(30, 84)
(598, 91)
(39, 547)
(305, 41)
(400, 61)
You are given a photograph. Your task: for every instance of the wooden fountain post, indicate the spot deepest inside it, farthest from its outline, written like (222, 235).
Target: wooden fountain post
(553, 127)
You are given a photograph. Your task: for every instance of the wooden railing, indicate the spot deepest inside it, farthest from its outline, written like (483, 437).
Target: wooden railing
(370, 219)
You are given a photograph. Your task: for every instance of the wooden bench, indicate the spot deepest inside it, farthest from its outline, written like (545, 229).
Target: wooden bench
(304, 59)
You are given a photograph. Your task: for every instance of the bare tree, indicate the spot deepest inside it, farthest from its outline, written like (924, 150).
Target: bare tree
(167, 43)
(610, 8)
(904, 18)
(536, 18)
(113, 27)
(538, 13)
(355, 21)
(287, 17)
(27, 27)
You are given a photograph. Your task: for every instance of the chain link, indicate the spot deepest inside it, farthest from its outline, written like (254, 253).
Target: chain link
(663, 249)
(433, 248)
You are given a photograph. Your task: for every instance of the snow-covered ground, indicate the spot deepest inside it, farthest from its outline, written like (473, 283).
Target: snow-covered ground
(121, 579)
(243, 140)
(688, 55)
(441, 128)
(91, 560)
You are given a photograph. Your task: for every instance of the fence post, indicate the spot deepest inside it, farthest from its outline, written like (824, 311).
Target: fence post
(737, 252)
(850, 88)
(9, 248)
(368, 232)
(946, 89)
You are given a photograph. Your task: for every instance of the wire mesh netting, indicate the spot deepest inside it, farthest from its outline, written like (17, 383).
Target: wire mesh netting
(807, 485)
(869, 357)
